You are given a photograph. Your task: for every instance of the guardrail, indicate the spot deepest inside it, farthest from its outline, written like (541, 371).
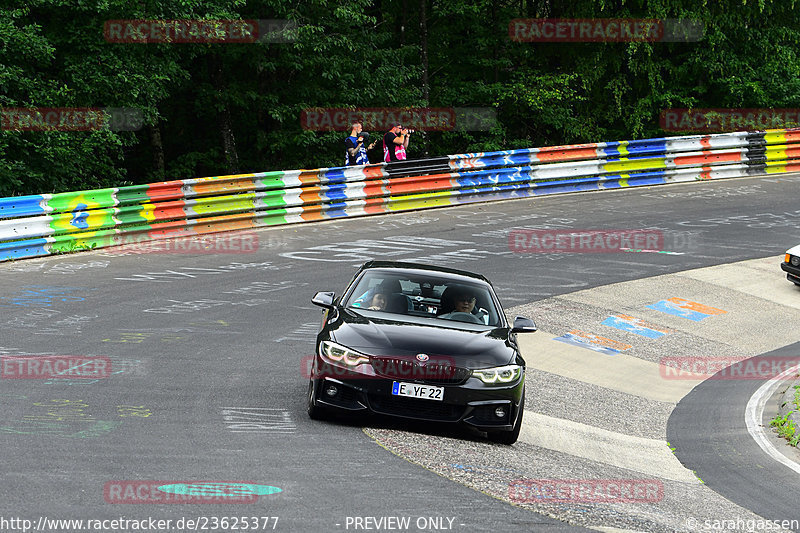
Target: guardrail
(56, 223)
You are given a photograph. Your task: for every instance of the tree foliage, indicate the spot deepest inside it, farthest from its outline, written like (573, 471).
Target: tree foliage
(213, 108)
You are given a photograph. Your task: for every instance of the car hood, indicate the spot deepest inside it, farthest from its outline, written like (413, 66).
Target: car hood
(794, 250)
(378, 334)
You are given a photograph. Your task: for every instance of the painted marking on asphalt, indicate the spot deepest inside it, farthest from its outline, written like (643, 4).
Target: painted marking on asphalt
(686, 309)
(635, 325)
(258, 420)
(754, 412)
(647, 456)
(593, 342)
(638, 251)
(623, 373)
(762, 278)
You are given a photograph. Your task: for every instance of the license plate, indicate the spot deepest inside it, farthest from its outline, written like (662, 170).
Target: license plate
(415, 390)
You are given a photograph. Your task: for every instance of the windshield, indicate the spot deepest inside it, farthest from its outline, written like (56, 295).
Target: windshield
(429, 296)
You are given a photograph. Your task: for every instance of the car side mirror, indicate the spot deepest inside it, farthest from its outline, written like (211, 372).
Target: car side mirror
(324, 299)
(523, 325)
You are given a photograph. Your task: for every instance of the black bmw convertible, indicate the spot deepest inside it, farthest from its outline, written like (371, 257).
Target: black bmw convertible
(422, 342)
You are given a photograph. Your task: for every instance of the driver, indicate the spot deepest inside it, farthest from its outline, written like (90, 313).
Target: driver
(461, 301)
(464, 302)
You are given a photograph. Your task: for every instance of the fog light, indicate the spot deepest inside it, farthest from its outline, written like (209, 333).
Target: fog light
(500, 412)
(331, 390)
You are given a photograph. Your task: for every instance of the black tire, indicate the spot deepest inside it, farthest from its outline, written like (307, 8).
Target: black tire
(315, 412)
(509, 437)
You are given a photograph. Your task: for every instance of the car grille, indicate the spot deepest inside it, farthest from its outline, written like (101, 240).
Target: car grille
(415, 408)
(438, 373)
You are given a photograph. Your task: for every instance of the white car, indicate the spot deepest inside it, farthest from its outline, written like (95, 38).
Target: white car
(791, 265)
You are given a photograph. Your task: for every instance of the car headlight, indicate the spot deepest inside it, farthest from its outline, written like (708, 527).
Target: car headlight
(340, 354)
(498, 375)
(795, 260)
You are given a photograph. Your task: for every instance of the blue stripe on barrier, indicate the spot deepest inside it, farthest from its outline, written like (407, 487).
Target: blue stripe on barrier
(334, 175)
(335, 192)
(336, 210)
(654, 146)
(20, 206)
(22, 249)
(639, 178)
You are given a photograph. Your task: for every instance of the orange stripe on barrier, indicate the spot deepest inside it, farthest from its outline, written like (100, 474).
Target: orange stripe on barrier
(175, 228)
(792, 135)
(707, 157)
(169, 210)
(434, 182)
(374, 172)
(311, 195)
(226, 223)
(374, 189)
(312, 212)
(375, 206)
(566, 153)
(224, 186)
(165, 190)
(310, 177)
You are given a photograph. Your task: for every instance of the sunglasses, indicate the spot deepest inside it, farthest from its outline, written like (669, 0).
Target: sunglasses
(465, 299)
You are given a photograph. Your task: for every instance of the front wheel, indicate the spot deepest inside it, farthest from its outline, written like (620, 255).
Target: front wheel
(509, 437)
(315, 412)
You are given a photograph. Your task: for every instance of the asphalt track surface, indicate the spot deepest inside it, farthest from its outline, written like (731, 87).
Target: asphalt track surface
(709, 433)
(198, 338)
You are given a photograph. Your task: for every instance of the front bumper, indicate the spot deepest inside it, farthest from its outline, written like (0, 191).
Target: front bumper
(472, 403)
(792, 272)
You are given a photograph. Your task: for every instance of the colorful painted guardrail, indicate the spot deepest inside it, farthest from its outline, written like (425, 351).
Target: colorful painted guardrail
(56, 223)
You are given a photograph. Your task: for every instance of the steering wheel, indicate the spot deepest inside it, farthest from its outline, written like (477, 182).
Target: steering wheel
(462, 317)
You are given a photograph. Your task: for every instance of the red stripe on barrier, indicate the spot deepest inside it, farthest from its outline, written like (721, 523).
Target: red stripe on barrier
(165, 190)
(566, 153)
(434, 182)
